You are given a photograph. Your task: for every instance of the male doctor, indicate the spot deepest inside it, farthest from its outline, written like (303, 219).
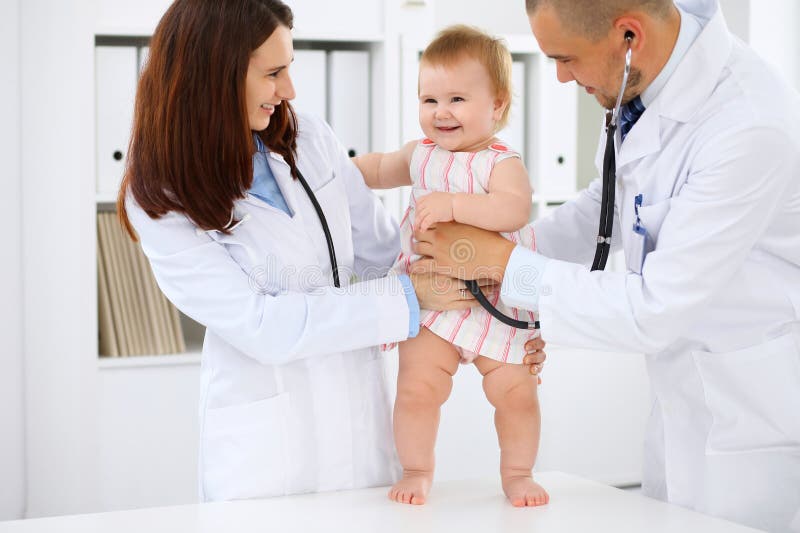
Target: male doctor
(708, 170)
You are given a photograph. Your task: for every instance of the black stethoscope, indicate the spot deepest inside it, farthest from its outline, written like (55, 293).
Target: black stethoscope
(325, 228)
(606, 208)
(610, 171)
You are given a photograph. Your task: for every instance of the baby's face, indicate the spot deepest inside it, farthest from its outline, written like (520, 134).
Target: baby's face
(458, 108)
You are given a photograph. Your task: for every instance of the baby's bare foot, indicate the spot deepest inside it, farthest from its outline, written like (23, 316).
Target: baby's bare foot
(413, 488)
(523, 491)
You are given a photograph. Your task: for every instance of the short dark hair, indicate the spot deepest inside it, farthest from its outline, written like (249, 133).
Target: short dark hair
(593, 18)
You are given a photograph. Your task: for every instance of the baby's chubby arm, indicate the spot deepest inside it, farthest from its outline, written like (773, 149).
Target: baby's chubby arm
(386, 170)
(506, 207)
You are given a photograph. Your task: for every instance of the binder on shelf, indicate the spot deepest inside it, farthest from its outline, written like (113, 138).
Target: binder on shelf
(177, 327)
(409, 81)
(514, 133)
(138, 301)
(349, 98)
(116, 71)
(155, 327)
(556, 125)
(130, 303)
(309, 75)
(134, 317)
(107, 338)
(116, 295)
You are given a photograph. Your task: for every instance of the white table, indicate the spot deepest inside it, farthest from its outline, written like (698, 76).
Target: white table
(576, 506)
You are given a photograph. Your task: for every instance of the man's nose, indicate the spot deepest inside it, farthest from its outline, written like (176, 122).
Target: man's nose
(563, 73)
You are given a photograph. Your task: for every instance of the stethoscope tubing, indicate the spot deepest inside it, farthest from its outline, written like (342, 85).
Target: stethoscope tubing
(606, 228)
(324, 222)
(475, 290)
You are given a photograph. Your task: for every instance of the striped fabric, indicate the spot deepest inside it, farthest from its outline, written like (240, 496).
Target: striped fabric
(473, 330)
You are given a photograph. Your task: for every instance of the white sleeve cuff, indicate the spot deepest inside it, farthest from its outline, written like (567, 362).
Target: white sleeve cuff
(522, 280)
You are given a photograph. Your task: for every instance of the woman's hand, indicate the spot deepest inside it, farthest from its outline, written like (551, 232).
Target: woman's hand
(440, 292)
(535, 356)
(432, 208)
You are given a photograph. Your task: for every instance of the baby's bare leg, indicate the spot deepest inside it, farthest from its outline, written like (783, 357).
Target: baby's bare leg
(427, 365)
(511, 389)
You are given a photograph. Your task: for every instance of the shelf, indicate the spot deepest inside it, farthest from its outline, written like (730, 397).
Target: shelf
(333, 38)
(105, 198)
(142, 361)
(553, 199)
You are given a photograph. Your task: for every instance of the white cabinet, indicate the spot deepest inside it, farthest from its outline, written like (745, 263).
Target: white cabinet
(349, 98)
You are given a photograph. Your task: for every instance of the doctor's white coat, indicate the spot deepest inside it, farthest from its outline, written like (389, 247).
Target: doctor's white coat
(292, 397)
(716, 303)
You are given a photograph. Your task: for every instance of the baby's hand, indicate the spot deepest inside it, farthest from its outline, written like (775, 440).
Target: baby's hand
(432, 208)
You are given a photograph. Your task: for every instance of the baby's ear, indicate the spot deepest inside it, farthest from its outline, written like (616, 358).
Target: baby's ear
(500, 105)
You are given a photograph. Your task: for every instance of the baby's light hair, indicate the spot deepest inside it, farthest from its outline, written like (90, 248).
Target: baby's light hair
(455, 43)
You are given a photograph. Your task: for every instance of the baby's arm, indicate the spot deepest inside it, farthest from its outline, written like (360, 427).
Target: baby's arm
(386, 170)
(506, 207)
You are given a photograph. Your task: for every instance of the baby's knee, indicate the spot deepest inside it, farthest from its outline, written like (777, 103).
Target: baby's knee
(424, 390)
(511, 389)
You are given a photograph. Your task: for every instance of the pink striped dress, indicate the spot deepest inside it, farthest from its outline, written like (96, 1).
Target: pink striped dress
(473, 331)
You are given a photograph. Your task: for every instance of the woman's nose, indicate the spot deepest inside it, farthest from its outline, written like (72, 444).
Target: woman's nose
(285, 89)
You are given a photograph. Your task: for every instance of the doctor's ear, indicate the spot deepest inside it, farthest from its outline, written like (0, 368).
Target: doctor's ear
(630, 30)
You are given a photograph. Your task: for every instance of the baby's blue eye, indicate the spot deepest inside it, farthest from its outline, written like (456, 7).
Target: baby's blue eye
(457, 99)
(429, 101)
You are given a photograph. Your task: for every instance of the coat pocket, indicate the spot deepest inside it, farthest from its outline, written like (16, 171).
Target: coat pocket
(244, 450)
(754, 397)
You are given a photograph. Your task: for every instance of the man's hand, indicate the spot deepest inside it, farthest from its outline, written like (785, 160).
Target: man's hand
(432, 208)
(464, 252)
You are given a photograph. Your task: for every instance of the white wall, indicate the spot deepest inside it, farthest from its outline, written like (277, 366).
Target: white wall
(58, 253)
(737, 15)
(497, 17)
(12, 472)
(773, 33)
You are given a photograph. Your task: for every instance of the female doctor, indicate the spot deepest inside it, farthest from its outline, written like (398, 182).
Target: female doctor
(292, 389)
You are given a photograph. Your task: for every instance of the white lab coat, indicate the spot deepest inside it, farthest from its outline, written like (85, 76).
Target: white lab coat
(292, 397)
(716, 307)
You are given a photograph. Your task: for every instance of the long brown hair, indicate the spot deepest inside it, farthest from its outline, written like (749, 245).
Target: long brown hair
(191, 148)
